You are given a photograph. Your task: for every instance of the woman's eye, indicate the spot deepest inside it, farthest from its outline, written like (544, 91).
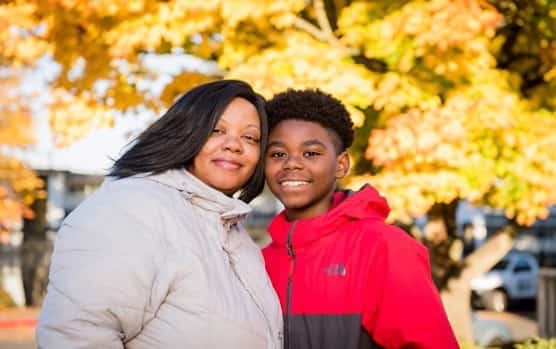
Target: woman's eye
(217, 131)
(252, 138)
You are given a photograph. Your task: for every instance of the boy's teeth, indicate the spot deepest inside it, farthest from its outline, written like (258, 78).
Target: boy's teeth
(293, 183)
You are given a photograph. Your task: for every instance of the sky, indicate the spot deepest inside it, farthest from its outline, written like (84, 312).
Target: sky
(94, 153)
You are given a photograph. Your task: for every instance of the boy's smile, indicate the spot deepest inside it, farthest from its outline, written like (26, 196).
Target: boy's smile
(293, 183)
(302, 165)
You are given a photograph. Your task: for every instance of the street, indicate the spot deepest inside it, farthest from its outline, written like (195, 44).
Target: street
(17, 327)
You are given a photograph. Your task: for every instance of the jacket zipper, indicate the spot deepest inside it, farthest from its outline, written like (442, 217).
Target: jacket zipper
(250, 293)
(291, 254)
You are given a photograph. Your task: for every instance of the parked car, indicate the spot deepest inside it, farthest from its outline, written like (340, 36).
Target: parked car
(541, 244)
(512, 279)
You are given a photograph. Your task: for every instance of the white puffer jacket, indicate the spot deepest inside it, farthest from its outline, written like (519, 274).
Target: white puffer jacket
(158, 262)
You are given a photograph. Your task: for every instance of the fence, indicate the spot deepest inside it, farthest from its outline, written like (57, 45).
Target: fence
(546, 303)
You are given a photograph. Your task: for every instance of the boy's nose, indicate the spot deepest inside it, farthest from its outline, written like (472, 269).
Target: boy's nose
(293, 162)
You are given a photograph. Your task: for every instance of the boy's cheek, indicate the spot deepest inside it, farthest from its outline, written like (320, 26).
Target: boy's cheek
(270, 171)
(275, 190)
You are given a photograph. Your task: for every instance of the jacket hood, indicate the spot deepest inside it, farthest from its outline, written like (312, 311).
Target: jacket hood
(346, 206)
(202, 195)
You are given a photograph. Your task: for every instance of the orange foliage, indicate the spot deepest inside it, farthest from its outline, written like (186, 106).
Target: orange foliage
(18, 184)
(446, 108)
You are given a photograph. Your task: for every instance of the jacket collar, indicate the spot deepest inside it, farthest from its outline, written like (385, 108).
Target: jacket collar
(347, 206)
(199, 194)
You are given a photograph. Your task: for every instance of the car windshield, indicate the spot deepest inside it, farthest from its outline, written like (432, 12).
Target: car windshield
(503, 264)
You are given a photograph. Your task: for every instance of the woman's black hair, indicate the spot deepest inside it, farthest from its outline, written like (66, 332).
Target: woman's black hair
(173, 141)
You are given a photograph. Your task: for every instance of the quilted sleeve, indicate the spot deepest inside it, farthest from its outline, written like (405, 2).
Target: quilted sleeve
(99, 283)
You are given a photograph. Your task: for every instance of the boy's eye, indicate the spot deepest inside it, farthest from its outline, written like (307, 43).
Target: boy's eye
(277, 154)
(311, 154)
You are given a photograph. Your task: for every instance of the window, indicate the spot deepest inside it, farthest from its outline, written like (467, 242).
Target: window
(502, 265)
(522, 266)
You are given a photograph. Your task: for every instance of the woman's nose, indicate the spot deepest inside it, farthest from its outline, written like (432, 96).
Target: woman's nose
(233, 144)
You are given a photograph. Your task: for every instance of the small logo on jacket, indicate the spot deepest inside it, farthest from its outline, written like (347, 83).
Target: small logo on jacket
(336, 269)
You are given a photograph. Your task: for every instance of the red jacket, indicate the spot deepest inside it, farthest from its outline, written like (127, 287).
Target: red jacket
(347, 279)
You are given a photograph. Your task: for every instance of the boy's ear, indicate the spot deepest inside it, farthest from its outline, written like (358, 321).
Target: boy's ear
(342, 165)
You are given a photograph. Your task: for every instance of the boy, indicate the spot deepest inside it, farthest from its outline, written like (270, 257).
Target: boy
(345, 278)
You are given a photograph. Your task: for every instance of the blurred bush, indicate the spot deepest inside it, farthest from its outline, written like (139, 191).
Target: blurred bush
(538, 343)
(5, 300)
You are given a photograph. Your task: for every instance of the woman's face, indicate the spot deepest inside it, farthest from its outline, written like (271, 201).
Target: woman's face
(229, 157)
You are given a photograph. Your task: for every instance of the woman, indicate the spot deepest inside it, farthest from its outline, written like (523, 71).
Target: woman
(158, 258)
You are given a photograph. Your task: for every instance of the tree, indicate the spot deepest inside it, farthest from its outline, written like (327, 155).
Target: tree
(19, 185)
(451, 102)
(486, 143)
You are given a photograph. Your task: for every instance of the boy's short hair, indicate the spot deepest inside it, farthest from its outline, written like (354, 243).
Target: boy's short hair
(312, 105)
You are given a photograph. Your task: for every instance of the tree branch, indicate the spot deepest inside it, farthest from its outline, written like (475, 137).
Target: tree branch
(487, 5)
(486, 256)
(320, 35)
(307, 26)
(322, 18)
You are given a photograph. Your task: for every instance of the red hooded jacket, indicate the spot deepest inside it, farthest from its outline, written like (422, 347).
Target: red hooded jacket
(346, 279)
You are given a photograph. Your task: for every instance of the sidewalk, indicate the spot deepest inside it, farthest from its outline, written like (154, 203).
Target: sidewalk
(17, 328)
(522, 328)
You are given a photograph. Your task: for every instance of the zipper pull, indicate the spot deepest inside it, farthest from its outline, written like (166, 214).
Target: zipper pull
(290, 250)
(233, 258)
(289, 242)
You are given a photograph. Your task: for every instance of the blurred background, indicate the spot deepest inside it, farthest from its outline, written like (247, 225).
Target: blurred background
(454, 103)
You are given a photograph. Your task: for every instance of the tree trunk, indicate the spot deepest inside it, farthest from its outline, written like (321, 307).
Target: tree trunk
(457, 295)
(445, 249)
(445, 214)
(453, 276)
(35, 254)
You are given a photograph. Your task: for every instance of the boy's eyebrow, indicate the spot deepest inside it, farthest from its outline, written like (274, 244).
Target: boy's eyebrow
(306, 143)
(313, 142)
(276, 144)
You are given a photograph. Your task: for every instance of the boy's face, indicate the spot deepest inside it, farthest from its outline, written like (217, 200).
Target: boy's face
(302, 166)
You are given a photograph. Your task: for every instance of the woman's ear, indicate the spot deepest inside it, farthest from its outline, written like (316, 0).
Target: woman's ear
(342, 165)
